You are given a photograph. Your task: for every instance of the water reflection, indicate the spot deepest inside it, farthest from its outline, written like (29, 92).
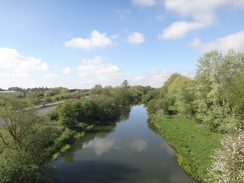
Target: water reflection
(124, 152)
(168, 149)
(100, 146)
(97, 172)
(139, 145)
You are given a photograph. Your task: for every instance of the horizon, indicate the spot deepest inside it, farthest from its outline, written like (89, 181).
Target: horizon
(78, 44)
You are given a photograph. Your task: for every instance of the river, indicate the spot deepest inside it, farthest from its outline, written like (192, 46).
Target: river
(129, 151)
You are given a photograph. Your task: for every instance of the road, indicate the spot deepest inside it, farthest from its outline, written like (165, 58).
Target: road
(44, 110)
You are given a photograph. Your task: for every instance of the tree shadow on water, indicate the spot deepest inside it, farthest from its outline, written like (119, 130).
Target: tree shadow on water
(96, 172)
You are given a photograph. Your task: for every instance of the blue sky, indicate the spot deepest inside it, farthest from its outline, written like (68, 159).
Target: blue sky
(80, 43)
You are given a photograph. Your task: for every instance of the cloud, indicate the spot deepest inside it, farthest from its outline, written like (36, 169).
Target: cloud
(10, 59)
(232, 41)
(123, 13)
(100, 146)
(15, 69)
(50, 76)
(195, 43)
(202, 13)
(139, 145)
(96, 40)
(13, 75)
(144, 3)
(155, 79)
(67, 70)
(136, 38)
(96, 70)
(179, 29)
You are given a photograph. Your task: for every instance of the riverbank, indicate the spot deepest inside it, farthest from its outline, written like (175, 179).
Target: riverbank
(126, 150)
(194, 144)
(65, 140)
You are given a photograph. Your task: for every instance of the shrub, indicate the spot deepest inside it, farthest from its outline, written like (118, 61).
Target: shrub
(228, 165)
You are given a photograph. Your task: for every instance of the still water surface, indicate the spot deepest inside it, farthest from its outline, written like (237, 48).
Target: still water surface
(129, 151)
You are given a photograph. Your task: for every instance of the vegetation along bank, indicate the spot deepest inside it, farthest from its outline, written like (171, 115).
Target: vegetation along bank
(202, 118)
(29, 141)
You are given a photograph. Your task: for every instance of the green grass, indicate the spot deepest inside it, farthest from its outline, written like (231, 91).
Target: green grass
(65, 148)
(194, 144)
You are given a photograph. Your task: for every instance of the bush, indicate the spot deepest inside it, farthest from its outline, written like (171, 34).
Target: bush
(22, 166)
(150, 106)
(162, 105)
(228, 165)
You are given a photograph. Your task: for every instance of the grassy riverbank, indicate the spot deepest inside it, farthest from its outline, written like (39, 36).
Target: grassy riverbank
(194, 144)
(65, 140)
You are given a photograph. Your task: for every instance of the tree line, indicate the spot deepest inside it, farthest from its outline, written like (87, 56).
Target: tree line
(214, 98)
(28, 141)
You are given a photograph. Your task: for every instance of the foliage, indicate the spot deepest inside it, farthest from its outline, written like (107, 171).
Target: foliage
(157, 105)
(228, 164)
(86, 111)
(193, 144)
(24, 139)
(217, 79)
(215, 96)
(70, 113)
(18, 165)
(150, 106)
(107, 108)
(164, 89)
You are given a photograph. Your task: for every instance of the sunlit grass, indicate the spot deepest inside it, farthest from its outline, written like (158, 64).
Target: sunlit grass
(194, 145)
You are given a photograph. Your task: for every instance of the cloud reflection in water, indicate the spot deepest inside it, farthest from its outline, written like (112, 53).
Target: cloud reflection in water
(100, 146)
(139, 145)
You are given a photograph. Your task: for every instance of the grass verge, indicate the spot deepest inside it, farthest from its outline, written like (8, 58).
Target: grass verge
(194, 145)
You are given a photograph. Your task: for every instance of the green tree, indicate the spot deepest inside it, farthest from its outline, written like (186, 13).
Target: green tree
(70, 113)
(216, 81)
(164, 89)
(23, 140)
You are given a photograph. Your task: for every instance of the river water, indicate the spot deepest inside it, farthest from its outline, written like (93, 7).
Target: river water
(129, 151)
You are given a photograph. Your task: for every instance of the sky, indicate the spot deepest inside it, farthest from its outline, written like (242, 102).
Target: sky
(81, 43)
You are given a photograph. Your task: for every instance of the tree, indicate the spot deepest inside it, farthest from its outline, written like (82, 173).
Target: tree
(175, 88)
(23, 141)
(96, 90)
(70, 113)
(216, 80)
(164, 89)
(228, 164)
(125, 84)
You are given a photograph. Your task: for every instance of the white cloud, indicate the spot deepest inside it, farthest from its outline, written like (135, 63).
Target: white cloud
(123, 13)
(139, 145)
(144, 3)
(195, 43)
(96, 70)
(50, 76)
(136, 38)
(96, 40)
(179, 29)
(67, 70)
(232, 41)
(203, 14)
(100, 146)
(12, 60)
(155, 79)
(13, 75)
(16, 69)
(203, 11)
